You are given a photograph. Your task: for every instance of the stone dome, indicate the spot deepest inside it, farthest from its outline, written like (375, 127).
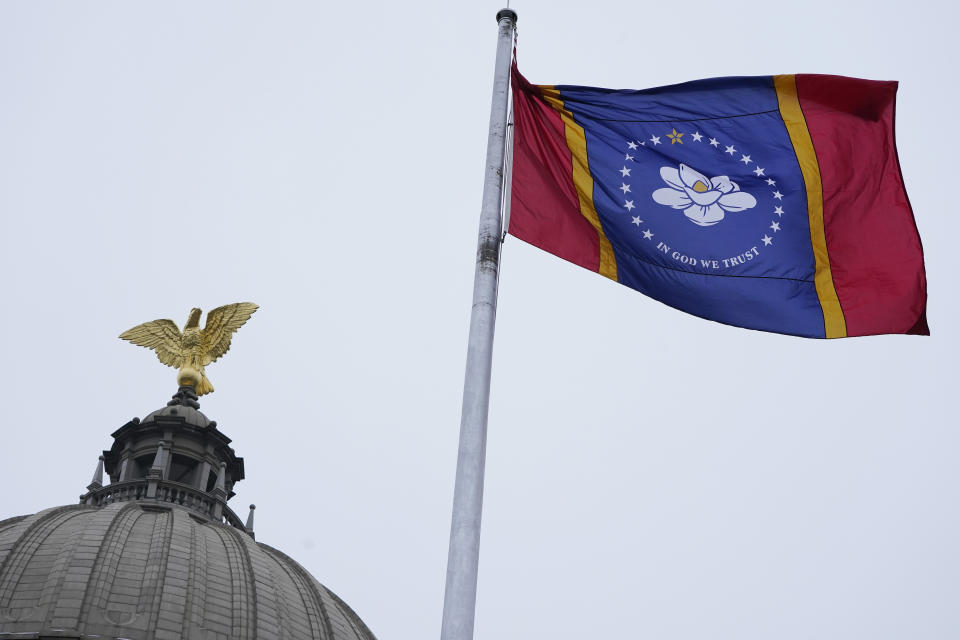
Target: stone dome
(147, 569)
(157, 552)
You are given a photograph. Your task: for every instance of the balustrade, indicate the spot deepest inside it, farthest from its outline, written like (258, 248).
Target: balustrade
(167, 491)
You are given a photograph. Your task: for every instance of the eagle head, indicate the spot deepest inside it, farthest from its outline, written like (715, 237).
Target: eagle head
(193, 320)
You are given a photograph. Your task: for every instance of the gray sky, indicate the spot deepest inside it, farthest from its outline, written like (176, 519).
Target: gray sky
(650, 474)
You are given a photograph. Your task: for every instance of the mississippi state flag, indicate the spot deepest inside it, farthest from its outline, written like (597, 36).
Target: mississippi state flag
(773, 203)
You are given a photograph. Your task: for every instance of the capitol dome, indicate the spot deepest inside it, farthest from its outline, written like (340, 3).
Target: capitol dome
(157, 553)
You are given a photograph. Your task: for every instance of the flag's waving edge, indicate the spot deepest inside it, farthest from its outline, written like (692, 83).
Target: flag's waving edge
(772, 203)
(792, 114)
(876, 256)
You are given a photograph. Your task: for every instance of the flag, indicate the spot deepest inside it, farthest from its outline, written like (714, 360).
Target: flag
(773, 203)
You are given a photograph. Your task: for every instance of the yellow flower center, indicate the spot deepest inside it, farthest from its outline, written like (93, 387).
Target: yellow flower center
(699, 187)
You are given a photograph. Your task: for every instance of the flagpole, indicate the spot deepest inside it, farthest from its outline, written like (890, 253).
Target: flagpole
(460, 596)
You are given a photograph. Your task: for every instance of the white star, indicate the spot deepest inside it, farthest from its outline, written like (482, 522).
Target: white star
(767, 240)
(775, 226)
(624, 172)
(731, 150)
(643, 143)
(629, 157)
(632, 145)
(624, 187)
(655, 140)
(714, 142)
(771, 181)
(696, 136)
(746, 160)
(778, 195)
(637, 220)
(647, 234)
(629, 205)
(778, 211)
(758, 171)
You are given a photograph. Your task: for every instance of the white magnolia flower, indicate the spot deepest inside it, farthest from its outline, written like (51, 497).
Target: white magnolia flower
(703, 200)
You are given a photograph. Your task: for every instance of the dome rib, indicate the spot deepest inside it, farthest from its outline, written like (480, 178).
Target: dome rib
(124, 601)
(54, 574)
(72, 582)
(155, 571)
(313, 606)
(107, 565)
(272, 616)
(33, 533)
(342, 610)
(217, 609)
(356, 624)
(174, 590)
(197, 583)
(244, 620)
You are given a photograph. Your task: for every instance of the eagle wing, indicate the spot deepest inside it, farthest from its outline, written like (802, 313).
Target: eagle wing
(222, 323)
(162, 336)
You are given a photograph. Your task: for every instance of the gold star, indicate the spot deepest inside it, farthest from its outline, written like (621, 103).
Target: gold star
(675, 137)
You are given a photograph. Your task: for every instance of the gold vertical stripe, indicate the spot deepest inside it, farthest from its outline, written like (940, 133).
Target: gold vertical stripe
(582, 180)
(833, 322)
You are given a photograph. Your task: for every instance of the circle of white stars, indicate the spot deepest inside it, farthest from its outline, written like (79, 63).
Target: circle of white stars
(695, 137)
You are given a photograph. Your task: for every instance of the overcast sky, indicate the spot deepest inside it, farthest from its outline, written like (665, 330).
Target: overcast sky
(650, 474)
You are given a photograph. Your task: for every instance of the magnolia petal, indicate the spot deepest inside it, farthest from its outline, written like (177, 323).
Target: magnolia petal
(672, 177)
(737, 201)
(704, 199)
(672, 198)
(691, 177)
(704, 216)
(723, 184)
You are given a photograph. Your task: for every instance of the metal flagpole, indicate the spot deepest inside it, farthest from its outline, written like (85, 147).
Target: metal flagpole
(460, 597)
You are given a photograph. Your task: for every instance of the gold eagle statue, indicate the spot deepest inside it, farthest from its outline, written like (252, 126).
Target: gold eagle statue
(195, 348)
